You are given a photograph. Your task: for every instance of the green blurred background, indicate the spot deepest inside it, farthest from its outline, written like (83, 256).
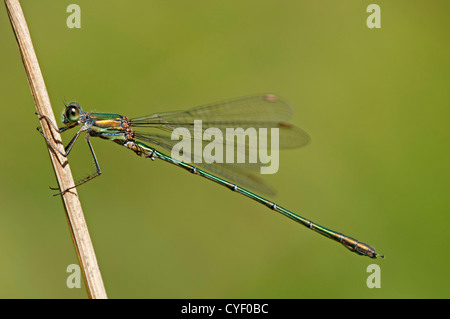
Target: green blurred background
(375, 101)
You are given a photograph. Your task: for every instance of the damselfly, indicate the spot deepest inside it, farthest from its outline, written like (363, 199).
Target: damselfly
(261, 111)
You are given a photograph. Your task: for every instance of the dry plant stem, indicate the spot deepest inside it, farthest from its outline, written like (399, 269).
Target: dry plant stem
(72, 205)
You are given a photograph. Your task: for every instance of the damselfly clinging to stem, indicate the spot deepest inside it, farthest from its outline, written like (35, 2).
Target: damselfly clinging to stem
(261, 111)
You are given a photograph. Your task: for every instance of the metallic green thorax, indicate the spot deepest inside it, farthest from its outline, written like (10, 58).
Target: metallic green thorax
(107, 126)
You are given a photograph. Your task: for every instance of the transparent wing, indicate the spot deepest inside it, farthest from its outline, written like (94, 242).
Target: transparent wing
(260, 111)
(243, 118)
(263, 108)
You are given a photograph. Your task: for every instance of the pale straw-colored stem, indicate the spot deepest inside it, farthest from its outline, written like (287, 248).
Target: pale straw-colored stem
(72, 205)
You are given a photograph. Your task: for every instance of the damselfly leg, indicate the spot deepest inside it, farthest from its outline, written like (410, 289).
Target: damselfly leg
(68, 148)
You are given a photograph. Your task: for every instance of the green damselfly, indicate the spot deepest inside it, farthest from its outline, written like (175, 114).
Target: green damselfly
(261, 111)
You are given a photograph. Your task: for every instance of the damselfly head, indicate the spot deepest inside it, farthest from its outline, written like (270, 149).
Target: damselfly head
(72, 113)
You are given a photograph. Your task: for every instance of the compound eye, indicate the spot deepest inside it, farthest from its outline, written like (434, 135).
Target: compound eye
(73, 113)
